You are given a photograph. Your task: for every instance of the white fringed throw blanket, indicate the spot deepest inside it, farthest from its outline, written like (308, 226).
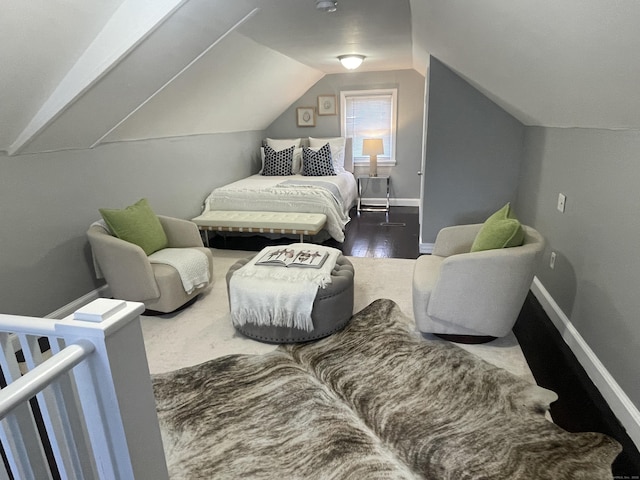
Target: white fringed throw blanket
(192, 265)
(276, 295)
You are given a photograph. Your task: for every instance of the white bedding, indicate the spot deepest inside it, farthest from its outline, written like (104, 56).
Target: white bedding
(280, 194)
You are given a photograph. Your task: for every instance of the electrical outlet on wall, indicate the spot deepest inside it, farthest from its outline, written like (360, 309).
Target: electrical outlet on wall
(562, 199)
(552, 262)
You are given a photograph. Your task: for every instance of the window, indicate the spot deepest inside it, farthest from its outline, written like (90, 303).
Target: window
(370, 114)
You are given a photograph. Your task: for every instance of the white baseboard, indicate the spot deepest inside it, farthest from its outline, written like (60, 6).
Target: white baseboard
(616, 398)
(404, 202)
(74, 305)
(426, 247)
(394, 202)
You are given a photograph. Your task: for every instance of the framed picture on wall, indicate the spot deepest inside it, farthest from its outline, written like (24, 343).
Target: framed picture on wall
(327, 105)
(306, 116)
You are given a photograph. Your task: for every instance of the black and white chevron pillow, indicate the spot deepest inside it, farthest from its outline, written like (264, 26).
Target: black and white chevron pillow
(278, 163)
(317, 163)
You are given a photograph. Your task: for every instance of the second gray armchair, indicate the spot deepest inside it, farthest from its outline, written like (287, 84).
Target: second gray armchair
(477, 294)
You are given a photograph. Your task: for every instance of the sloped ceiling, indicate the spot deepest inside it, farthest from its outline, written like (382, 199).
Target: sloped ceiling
(75, 76)
(378, 29)
(232, 88)
(37, 49)
(568, 63)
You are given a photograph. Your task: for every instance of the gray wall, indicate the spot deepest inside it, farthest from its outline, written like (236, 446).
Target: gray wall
(597, 272)
(47, 202)
(410, 84)
(473, 154)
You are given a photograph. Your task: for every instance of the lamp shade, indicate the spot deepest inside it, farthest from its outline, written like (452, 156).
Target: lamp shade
(351, 62)
(372, 146)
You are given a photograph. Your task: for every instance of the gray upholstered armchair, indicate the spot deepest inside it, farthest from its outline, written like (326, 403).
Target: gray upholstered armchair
(132, 276)
(478, 294)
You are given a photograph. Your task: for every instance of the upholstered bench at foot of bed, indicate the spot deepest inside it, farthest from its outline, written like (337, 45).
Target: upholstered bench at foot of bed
(261, 222)
(332, 308)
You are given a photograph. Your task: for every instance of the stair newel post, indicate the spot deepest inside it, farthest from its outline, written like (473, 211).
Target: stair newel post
(115, 390)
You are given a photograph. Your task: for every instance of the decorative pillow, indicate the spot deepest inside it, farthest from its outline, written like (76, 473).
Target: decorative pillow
(337, 145)
(317, 163)
(500, 230)
(282, 144)
(277, 163)
(297, 161)
(137, 224)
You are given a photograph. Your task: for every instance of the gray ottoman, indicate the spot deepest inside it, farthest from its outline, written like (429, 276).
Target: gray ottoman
(332, 309)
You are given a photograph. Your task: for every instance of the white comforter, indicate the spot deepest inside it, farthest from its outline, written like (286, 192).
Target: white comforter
(280, 194)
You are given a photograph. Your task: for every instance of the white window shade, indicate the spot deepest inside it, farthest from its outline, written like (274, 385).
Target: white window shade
(370, 114)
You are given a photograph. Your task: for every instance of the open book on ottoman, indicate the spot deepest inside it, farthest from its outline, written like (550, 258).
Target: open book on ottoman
(293, 257)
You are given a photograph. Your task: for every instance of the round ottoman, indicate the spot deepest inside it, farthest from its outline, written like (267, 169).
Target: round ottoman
(332, 309)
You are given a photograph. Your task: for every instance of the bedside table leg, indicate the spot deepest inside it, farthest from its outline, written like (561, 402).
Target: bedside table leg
(388, 188)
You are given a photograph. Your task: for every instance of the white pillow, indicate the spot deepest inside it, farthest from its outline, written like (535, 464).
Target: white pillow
(335, 142)
(337, 146)
(296, 167)
(282, 143)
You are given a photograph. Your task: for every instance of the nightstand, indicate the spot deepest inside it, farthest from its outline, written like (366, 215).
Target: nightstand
(363, 183)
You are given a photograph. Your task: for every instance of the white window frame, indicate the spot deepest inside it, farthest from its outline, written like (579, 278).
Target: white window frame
(389, 158)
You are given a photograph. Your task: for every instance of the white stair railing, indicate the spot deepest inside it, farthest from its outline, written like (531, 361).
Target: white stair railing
(77, 400)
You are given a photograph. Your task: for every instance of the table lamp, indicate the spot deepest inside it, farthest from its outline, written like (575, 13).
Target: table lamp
(372, 147)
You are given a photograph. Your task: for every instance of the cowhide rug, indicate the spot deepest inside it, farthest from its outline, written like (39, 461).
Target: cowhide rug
(375, 401)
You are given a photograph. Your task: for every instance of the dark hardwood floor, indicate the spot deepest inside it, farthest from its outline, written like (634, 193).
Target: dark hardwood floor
(384, 235)
(580, 406)
(368, 234)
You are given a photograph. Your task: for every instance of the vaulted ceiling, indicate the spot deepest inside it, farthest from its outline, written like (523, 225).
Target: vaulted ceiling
(76, 75)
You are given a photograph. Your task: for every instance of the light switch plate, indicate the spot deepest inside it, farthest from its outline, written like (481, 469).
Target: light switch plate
(561, 202)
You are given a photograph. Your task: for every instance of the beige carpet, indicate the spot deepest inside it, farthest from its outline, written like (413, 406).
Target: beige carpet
(203, 331)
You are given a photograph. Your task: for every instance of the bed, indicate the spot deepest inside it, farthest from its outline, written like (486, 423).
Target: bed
(332, 195)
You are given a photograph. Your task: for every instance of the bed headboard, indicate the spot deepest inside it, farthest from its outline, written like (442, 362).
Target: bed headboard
(348, 154)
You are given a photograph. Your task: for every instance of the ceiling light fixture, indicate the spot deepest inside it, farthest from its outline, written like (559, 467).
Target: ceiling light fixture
(351, 62)
(327, 6)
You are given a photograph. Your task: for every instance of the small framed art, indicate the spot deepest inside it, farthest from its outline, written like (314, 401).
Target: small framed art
(327, 105)
(306, 116)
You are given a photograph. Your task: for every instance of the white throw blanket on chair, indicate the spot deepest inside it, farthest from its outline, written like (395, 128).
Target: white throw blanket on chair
(278, 296)
(192, 265)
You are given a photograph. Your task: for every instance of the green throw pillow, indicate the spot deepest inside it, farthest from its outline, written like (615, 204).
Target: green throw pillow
(500, 230)
(137, 224)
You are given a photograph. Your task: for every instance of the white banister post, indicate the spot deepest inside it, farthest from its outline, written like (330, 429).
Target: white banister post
(115, 390)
